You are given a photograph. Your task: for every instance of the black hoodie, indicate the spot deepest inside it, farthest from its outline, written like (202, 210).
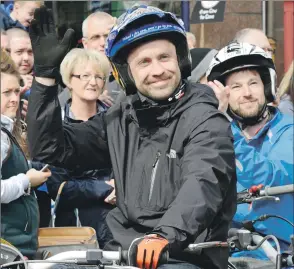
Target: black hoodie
(173, 164)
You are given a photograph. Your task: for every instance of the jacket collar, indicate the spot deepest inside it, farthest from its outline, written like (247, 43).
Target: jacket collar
(158, 113)
(275, 118)
(7, 123)
(68, 115)
(149, 116)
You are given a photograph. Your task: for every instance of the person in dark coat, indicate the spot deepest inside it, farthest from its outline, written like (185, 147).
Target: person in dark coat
(170, 148)
(85, 192)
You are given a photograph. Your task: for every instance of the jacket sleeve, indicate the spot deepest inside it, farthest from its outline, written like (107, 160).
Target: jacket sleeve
(276, 169)
(13, 188)
(76, 192)
(209, 179)
(80, 146)
(84, 192)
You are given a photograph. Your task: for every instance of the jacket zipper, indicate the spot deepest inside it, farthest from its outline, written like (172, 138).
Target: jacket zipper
(27, 215)
(153, 174)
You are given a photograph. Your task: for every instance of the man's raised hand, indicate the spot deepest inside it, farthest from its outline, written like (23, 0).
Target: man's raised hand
(222, 93)
(48, 50)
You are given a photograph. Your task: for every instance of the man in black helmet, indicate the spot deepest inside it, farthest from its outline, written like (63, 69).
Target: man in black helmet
(171, 149)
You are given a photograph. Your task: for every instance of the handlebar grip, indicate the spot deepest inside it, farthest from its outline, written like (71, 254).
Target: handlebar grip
(163, 259)
(277, 190)
(124, 255)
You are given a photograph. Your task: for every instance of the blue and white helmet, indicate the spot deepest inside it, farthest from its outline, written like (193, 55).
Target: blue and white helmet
(237, 56)
(139, 24)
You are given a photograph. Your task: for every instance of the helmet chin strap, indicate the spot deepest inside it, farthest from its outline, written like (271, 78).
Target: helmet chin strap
(178, 93)
(250, 121)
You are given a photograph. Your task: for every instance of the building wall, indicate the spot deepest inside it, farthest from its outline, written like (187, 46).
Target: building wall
(239, 15)
(278, 35)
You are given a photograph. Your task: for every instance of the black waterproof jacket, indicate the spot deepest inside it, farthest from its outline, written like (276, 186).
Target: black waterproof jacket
(174, 165)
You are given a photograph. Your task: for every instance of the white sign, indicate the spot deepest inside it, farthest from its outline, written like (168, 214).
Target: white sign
(209, 4)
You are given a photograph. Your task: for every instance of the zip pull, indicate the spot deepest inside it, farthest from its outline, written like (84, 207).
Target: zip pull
(25, 229)
(156, 158)
(153, 174)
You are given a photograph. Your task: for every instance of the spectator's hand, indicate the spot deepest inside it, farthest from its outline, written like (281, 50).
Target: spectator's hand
(47, 49)
(111, 198)
(24, 109)
(222, 94)
(106, 98)
(37, 177)
(148, 252)
(28, 81)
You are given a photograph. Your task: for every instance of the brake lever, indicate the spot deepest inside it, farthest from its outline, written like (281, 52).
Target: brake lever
(267, 198)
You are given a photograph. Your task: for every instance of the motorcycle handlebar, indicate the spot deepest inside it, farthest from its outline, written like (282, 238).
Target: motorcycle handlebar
(243, 197)
(92, 255)
(268, 191)
(245, 240)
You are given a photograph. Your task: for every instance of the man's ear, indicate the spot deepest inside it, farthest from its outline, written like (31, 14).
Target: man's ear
(85, 42)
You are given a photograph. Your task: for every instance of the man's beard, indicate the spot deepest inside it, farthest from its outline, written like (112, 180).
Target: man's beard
(245, 114)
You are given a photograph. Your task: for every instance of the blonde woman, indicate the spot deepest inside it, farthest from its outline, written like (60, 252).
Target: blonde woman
(19, 208)
(84, 72)
(286, 92)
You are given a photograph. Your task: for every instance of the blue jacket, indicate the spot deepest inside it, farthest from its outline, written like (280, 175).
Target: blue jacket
(267, 159)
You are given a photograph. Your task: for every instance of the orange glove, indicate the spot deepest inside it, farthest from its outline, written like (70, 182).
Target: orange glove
(150, 250)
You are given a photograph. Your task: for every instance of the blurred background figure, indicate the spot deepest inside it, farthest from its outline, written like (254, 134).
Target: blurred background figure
(201, 58)
(286, 92)
(20, 16)
(96, 28)
(255, 37)
(22, 55)
(191, 39)
(21, 50)
(23, 11)
(4, 41)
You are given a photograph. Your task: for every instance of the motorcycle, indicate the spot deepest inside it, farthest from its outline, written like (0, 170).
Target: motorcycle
(242, 239)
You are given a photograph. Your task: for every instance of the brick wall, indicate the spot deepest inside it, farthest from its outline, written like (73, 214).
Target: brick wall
(239, 15)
